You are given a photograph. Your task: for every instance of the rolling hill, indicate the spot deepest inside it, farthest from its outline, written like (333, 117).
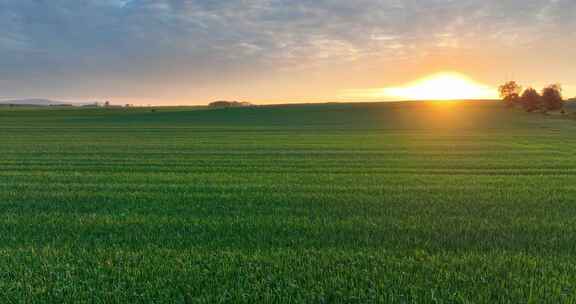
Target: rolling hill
(37, 102)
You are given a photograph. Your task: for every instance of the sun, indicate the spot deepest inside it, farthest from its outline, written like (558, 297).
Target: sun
(442, 86)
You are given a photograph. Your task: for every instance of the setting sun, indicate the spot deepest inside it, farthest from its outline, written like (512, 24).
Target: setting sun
(443, 86)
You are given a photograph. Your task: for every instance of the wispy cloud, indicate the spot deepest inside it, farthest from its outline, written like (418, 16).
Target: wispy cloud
(207, 40)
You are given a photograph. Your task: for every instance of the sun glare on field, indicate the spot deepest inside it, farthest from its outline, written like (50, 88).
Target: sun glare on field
(444, 86)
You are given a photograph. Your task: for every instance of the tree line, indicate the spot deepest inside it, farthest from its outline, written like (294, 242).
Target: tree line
(529, 99)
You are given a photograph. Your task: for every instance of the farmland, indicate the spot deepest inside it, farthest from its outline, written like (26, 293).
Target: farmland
(395, 203)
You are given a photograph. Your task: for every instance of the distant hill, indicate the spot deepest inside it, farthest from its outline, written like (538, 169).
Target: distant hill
(37, 102)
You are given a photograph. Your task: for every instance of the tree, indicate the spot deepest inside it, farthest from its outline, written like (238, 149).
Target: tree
(531, 100)
(552, 98)
(229, 104)
(510, 93)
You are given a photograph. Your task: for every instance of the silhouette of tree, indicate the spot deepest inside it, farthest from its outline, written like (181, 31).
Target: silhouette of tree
(510, 93)
(552, 98)
(531, 100)
(229, 104)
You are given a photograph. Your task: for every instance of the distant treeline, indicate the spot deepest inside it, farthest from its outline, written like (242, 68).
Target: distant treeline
(529, 99)
(229, 104)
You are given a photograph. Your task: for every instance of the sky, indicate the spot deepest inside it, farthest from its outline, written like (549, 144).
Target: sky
(174, 52)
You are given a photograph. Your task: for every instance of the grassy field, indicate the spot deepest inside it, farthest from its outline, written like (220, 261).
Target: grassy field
(390, 203)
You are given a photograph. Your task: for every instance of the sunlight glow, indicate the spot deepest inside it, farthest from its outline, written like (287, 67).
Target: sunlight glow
(441, 86)
(444, 86)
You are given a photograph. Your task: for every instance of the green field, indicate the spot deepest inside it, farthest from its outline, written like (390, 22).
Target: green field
(390, 203)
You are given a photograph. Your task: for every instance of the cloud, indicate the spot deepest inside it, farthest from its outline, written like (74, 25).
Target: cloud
(205, 40)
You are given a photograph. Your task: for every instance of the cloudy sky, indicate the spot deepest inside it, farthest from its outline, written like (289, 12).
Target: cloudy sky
(195, 51)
